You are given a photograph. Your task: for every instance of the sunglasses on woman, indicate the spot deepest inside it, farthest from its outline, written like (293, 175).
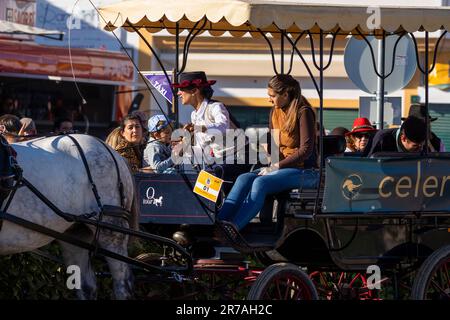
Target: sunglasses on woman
(362, 135)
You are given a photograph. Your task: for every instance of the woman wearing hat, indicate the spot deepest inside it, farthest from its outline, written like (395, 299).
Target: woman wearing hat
(359, 137)
(209, 119)
(195, 90)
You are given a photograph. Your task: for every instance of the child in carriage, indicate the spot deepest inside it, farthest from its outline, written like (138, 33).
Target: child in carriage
(157, 154)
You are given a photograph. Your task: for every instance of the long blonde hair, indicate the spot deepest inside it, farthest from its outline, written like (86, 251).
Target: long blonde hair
(114, 138)
(285, 83)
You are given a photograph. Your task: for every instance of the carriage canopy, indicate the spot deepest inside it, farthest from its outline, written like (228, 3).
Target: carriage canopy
(241, 16)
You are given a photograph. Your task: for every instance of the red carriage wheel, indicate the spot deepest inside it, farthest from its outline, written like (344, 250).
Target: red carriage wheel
(283, 281)
(342, 285)
(433, 278)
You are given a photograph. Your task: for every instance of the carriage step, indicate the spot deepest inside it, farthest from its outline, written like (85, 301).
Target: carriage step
(237, 241)
(304, 215)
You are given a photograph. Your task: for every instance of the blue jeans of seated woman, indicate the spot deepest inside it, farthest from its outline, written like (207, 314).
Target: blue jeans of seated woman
(247, 196)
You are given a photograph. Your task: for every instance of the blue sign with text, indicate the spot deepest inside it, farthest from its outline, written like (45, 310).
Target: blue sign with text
(387, 184)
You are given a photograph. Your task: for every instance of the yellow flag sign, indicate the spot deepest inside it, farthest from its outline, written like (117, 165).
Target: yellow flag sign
(208, 186)
(440, 77)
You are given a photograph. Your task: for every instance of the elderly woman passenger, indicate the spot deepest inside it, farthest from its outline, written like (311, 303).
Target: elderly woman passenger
(359, 137)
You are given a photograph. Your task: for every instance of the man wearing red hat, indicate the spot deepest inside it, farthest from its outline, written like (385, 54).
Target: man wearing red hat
(359, 137)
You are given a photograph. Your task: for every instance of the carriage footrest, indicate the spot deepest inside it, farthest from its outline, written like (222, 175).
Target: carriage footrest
(236, 239)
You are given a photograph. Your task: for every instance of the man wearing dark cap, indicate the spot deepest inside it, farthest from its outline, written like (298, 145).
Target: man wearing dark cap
(418, 110)
(410, 137)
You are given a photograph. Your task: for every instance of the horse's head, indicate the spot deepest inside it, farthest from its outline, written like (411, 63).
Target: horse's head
(7, 159)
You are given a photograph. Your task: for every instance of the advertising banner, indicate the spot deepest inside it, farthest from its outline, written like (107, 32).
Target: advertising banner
(18, 11)
(387, 185)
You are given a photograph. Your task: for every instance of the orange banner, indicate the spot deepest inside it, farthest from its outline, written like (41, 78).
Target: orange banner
(30, 58)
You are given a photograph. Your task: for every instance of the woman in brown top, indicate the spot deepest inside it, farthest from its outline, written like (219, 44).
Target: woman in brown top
(127, 140)
(293, 120)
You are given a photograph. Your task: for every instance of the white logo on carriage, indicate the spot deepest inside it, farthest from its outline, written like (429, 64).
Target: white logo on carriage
(351, 186)
(150, 198)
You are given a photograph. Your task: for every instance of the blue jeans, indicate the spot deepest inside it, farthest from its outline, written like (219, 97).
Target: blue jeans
(247, 196)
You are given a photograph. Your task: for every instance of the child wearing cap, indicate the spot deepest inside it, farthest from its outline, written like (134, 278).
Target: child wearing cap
(157, 154)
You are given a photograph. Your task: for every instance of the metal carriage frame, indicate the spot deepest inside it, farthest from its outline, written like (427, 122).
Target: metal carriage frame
(300, 217)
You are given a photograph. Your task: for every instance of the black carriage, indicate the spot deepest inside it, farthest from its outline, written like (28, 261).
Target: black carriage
(383, 215)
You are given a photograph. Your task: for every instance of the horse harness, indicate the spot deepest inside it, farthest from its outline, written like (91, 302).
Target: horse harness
(11, 172)
(11, 179)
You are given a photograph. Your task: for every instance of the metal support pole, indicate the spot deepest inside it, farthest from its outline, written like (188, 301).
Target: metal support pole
(322, 160)
(175, 75)
(282, 51)
(321, 99)
(380, 82)
(427, 72)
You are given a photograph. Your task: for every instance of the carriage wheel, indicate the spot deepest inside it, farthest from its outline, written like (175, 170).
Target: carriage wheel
(148, 287)
(223, 279)
(342, 286)
(283, 281)
(433, 278)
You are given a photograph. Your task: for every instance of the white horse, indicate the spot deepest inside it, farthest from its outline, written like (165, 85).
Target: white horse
(53, 165)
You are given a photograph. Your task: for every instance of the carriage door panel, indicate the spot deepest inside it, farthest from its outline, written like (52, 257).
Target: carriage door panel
(168, 199)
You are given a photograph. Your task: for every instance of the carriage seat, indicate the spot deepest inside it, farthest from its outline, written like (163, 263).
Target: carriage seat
(333, 145)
